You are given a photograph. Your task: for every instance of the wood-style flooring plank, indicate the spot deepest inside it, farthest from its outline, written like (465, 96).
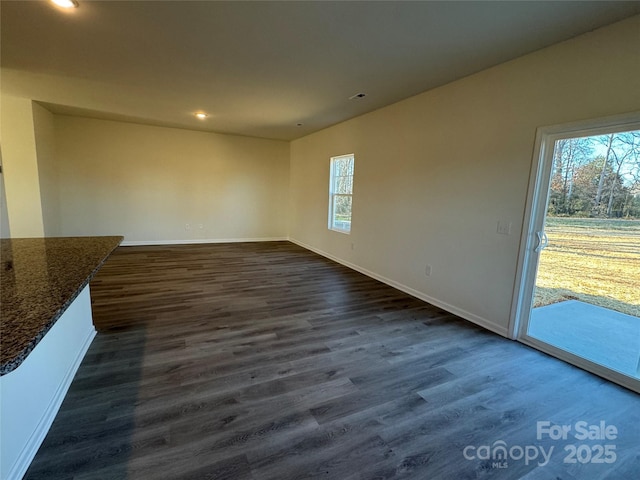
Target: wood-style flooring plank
(261, 361)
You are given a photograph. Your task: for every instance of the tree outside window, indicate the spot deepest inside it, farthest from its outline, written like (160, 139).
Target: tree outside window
(341, 192)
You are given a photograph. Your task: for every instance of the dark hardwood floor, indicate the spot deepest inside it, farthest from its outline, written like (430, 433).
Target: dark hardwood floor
(265, 361)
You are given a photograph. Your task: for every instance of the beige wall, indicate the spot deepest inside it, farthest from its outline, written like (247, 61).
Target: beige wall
(435, 173)
(20, 167)
(147, 182)
(47, 170)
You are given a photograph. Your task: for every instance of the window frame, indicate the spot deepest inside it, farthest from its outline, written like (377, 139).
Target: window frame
(333, 195)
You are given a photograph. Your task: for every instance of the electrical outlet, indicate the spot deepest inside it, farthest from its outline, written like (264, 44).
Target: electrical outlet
(200, 226)
(504, 228)
(427, 270)
(187, 226)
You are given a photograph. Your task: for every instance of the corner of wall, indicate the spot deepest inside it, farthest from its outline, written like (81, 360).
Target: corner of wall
(43, 123)
(20, 163)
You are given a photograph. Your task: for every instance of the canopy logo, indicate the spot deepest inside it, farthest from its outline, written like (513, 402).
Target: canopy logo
(499, 453)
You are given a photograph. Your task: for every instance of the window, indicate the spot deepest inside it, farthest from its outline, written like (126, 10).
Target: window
(340, 193)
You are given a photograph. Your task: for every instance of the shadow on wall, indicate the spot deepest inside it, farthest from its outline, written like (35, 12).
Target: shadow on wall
(4, 213)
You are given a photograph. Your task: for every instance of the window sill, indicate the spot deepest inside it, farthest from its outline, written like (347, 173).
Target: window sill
(345, 232)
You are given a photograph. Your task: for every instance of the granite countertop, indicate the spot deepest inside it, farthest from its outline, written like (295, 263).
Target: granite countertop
(39, 279)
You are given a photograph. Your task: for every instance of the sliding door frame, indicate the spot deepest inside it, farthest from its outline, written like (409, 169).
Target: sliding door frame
(534, 219)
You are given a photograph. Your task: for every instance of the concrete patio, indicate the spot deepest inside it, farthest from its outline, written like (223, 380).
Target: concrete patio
(603, 336)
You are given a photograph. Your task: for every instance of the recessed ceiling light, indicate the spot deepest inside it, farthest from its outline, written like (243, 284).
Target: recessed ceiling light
(201, 115)
(66, 3)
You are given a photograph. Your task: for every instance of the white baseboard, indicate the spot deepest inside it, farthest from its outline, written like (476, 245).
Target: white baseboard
(483, 322)
(135, 243)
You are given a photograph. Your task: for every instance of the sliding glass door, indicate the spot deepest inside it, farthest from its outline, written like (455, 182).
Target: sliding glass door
(579, 292)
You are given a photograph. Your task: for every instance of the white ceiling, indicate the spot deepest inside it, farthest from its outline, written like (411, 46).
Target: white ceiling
(260, 68)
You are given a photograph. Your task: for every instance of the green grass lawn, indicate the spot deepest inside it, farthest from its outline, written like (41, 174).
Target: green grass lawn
(593, 260)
